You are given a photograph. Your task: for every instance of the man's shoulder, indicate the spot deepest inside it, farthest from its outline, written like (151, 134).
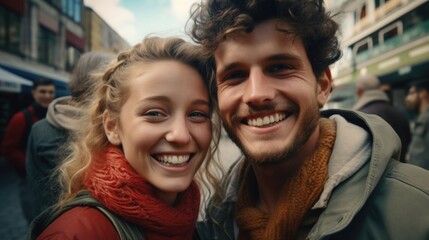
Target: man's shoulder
(424, 117)
(363, 120)
(18, 116)
(397, 208)
(45, 134)
(408, 177)
(44, 125)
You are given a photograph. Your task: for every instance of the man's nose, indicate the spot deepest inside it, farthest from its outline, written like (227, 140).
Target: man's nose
(259, 88)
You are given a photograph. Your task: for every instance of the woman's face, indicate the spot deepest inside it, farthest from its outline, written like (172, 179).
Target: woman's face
(164, 126)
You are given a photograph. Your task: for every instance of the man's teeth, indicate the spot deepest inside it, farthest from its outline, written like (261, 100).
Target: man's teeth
(173, 159)
(267, 120)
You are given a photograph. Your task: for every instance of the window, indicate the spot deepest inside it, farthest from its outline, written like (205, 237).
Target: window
(359, 13)
(78, 10)
(362, 12)
(64, 6)
(390, 31)
(73, 55)
(10, 30)
(72, 9)
(46, 46)
(362, 46)
(377, 3)
(55, 3)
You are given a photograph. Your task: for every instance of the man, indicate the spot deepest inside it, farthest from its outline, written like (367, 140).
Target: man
(18, 130)
(418, 101)
(373, 100)
(302, 176)
(46, 142)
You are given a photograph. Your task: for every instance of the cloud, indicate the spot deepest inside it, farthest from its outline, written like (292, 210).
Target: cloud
(119, 18)
(181, 8)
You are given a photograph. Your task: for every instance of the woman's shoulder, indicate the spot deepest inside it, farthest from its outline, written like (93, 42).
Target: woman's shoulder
(80, 223)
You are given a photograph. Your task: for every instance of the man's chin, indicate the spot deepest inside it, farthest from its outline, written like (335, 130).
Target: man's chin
(264, 158)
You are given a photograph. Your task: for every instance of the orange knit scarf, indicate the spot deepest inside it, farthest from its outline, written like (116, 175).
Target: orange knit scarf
(296, 198)
(113, 182)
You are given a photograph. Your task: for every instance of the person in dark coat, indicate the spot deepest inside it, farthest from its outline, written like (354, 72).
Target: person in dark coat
(418, 100)
(18, 128)
(44, 151)
(373, 100)
(17, 133)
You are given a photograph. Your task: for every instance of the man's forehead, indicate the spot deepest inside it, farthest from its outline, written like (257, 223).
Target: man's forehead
(271, 37)
(261, 29)
(45, 87)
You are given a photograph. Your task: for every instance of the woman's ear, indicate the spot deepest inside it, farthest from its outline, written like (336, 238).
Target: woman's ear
(111, 129)
(324, 87)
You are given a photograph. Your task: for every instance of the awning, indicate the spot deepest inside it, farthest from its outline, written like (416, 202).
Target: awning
(10, 82)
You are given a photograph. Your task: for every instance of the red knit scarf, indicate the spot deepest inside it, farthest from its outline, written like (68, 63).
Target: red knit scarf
(113, 182)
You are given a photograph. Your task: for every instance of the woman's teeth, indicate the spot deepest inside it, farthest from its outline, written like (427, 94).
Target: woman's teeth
(173, 159)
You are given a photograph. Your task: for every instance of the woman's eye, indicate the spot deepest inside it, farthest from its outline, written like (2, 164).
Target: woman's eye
(199, 115)
(153, 114)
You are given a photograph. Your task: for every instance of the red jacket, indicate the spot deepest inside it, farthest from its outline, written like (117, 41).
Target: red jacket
(14, 140)
(80, 223)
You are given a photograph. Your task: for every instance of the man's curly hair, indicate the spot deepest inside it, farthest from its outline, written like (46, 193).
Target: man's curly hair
(213, 20)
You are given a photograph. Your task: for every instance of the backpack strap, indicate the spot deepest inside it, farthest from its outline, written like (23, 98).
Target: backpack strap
(28, 125)
(125, 229)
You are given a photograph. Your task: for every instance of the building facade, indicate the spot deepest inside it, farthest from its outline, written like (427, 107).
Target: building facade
(41, 39)
(44, 39)
(100, 35)
(386, 38)
(38, 39)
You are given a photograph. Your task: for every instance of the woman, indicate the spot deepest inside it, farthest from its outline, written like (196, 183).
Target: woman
(147, 133)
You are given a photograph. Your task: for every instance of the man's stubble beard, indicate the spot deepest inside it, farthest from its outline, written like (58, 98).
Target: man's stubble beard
(309, 124)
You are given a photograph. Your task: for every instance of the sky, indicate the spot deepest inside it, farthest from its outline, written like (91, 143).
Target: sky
(134, 19)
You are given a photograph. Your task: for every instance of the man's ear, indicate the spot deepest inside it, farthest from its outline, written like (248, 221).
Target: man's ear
(111, 129)
(324, 87)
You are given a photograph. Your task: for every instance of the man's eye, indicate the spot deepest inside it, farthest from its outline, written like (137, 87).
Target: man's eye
(279, 68)
(234, 75)
(45, 92)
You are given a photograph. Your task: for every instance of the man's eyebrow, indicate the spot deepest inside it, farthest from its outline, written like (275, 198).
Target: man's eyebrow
(283, 56)
(227, 67)
(275, 57)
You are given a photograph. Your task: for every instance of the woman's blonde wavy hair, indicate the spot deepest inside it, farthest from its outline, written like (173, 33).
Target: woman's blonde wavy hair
(112, 92)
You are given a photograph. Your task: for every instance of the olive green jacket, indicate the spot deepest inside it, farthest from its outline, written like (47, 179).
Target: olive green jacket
(380, 199)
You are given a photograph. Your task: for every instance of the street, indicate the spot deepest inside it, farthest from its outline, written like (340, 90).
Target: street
(12, 222)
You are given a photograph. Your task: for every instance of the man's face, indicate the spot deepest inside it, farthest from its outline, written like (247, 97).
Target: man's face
(412, 100)
(44, 94)
(268, 95)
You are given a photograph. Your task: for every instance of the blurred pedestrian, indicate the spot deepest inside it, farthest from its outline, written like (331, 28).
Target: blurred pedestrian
(373, 100)
(417, 100)
(17, 132)
(44, 151)
(130, 172)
